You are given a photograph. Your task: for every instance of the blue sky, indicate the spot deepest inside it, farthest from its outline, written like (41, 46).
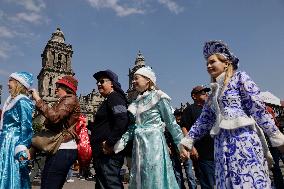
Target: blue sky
(107, 34)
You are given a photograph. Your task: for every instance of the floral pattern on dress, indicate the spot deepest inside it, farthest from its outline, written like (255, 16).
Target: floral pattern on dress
(238, 152)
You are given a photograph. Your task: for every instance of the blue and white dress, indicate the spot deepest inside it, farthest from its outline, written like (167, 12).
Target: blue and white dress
(151, 164)
(234, 115)
(15, 137)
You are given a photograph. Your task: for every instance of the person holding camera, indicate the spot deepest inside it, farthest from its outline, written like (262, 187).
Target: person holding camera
(63, 114)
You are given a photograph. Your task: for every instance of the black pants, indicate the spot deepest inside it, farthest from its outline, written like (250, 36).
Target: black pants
(108, 171)
(56, 168)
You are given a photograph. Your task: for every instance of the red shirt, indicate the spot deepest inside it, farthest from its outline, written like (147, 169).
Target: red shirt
(271, 111)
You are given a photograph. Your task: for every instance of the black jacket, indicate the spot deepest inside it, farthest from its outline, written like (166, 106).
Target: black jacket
(204, 146)
(111, 122)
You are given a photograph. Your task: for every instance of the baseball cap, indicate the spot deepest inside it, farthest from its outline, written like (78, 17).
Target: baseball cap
(199, 88)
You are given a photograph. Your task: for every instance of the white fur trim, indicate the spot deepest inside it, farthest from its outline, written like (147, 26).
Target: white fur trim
(10, 104)
(137, 107)
(20, 148)
(138, 164)
(236, 123)
(231, 124)
(277, 139)
(132, 108)
(21, 80)
(147, 72)
(119, 146)
(163, 95)
(187, 141)
(215, 92)
(156, 97)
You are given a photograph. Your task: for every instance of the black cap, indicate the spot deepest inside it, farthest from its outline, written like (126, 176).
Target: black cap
(109, 74)
(112, 76)
(198, 89)
(177, 112)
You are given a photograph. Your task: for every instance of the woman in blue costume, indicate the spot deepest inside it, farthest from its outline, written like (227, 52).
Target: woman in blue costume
(16, 133)
(236, 118)
(151, 163)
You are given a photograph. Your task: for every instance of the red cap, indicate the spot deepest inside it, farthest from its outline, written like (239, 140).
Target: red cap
(69, 81)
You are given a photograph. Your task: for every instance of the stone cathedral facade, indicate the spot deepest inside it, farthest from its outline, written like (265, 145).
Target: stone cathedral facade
(139, 63)
(57, 62)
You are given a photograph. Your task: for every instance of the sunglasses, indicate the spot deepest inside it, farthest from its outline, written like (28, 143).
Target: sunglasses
(102, 81)
(202, 92)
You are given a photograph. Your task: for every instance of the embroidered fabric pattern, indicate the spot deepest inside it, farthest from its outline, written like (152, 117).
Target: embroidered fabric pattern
(152, 167)
(240, 161)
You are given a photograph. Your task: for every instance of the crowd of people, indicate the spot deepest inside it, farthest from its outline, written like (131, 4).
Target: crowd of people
(226, 139)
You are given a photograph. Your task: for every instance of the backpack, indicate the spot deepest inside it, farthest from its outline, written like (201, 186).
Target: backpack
(83, 143)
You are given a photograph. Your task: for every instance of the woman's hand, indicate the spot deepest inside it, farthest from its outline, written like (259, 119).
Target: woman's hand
(107, 149)
(28, 154)
(35, 95)
(184, 154)
(194, 154)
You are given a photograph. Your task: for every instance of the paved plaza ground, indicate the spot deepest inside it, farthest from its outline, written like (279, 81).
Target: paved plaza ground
(90, 183)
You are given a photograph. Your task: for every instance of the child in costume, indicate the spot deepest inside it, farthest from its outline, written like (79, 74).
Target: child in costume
(151, 112)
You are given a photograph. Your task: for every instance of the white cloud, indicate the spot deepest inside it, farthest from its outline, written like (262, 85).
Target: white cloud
(121, 10)
(31, 12)
(4, 72)
(6, 32)
(172, 6)
(1, 14)
(32, 17)
(16, 25)
(136, 8)
(5, 49)
(31, 5)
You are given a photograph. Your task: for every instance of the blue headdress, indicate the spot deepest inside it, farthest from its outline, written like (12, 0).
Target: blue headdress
(25, 78)
(219, 47)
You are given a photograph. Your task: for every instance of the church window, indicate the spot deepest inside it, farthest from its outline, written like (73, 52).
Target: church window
(50, 81)
(58, 65)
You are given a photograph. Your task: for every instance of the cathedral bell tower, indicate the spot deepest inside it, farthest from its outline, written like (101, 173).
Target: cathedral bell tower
(56, 62)
(139, 63)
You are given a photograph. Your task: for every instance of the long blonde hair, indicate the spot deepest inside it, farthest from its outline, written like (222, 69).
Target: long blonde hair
(19, 89)
(229, 71)
(151, 86)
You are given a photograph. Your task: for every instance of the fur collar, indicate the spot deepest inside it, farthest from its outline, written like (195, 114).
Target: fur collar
(145, 102)
(10, 103)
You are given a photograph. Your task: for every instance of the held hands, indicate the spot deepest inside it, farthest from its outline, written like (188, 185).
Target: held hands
(194, 154)
(107, 150)
(184, 153)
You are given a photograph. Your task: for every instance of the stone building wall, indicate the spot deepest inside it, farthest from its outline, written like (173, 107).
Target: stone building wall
(139, 63)
(57, 62)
